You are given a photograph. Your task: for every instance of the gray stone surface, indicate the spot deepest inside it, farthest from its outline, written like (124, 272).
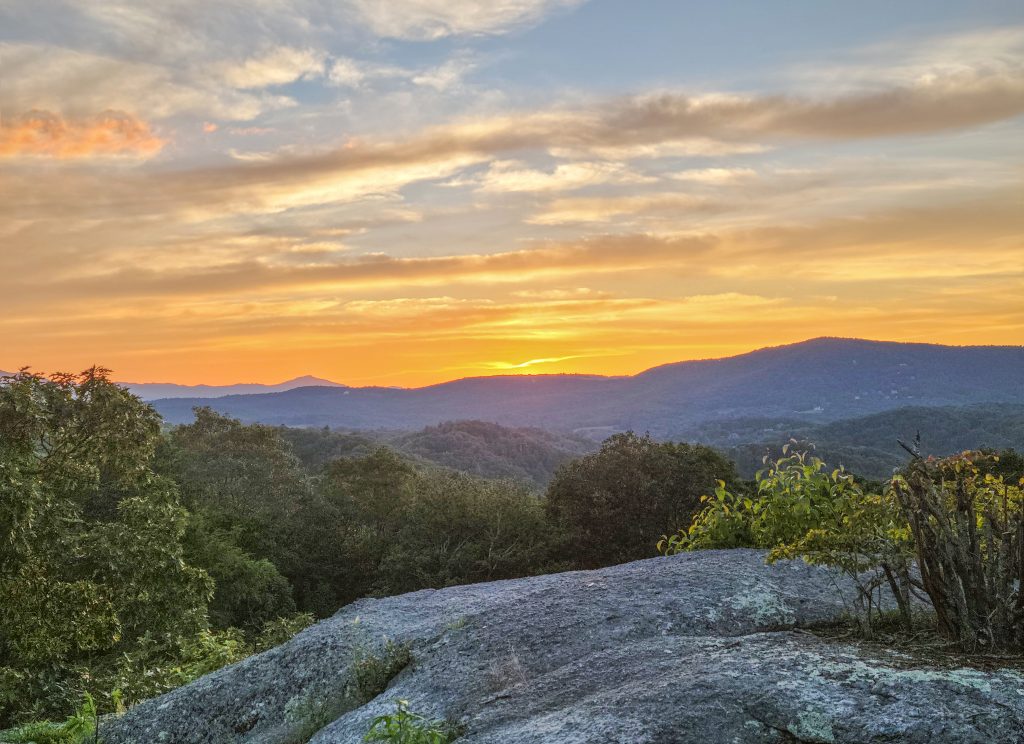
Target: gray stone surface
(697, 648)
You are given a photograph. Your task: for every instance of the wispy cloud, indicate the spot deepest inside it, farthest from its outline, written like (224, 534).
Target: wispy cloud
(604, 209)
(434, 19)
(83, 83)
(45, 134)
(277, 66)
(504, 176)
(347, 72)
(527, 363)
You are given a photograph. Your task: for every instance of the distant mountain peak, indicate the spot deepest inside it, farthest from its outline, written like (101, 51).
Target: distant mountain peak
(308, 380)
(159, 390)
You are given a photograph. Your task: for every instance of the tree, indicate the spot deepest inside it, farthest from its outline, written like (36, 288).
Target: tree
(456, 528)
(394, 528)
(613, 505)
(244, 489)
(91, 554)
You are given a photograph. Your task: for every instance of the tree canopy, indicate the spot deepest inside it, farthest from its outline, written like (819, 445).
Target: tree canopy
(613, 505)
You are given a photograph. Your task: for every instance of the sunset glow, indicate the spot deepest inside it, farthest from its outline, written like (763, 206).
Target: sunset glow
(403, 193)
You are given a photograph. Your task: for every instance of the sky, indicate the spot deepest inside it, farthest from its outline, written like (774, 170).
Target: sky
(401, 192)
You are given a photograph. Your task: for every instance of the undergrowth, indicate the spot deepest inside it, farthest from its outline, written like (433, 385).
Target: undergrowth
(79, 728)
(406, 727)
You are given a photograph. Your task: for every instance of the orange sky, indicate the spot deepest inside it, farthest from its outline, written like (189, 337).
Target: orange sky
(394, 202)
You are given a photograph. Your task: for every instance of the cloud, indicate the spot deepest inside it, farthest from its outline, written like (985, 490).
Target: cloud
(576, 293)
(423, 20)
(446, 76)
(504, 176)
(910, 61)
(74, 83)
(603, 209)
(528, 362)
(654, 121)
(716, 176)
(867, 252)
(245, 274)
(366, 167)
(347, 72)
(935, 104)
(45, 134)
(278, 66)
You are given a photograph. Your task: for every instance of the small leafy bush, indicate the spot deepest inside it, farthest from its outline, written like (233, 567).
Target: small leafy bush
(77, 729)
(803, 510)
(406, 727)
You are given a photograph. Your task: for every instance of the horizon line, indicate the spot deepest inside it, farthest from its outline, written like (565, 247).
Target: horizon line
(511, 374)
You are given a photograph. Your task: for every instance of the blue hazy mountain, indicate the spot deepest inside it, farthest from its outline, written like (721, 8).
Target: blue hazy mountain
(816, 381)
(163, 390)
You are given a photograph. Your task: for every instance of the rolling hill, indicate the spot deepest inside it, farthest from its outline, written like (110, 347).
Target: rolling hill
(477, 447)
(867, 445)
(816, 381)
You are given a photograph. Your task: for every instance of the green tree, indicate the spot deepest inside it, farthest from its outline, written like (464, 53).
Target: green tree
(91, 555)
(456, 529)
(612, 506)
(249, 591)
(244, 489)
(397, 528)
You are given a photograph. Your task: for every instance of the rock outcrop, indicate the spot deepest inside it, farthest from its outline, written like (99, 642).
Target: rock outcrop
(702, 647)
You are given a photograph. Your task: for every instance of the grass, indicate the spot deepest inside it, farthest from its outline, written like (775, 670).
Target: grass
(508, 671)
(369, 675)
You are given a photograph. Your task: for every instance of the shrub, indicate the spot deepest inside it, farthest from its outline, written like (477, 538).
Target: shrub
(827, 518)
(77, 729)
(276, 632)
(369, 676)
(968, 529)
(405, 727)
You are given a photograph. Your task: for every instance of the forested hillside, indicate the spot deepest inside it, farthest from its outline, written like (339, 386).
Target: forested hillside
(868, 445)
(477, 447)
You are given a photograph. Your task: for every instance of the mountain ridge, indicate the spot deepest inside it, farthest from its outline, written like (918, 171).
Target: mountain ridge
(819, 380)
